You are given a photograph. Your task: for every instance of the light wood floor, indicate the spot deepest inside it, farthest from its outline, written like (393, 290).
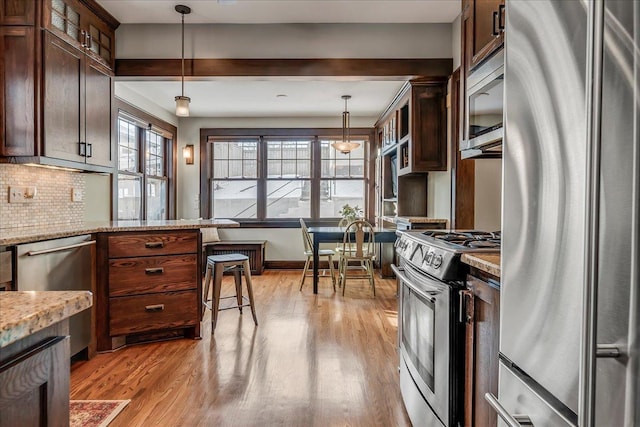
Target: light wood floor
(313, 360)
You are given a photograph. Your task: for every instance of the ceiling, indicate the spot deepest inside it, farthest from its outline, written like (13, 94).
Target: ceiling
(258, 98)
(285, 11)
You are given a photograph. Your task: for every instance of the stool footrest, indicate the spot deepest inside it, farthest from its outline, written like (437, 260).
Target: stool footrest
(234, 306)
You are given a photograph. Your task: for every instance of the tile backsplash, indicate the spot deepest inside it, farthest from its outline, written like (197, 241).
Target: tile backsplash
(52, 203)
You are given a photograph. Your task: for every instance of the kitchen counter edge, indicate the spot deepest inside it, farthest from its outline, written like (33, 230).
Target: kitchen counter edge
(55, 231)
(487, 262)
(23, 313)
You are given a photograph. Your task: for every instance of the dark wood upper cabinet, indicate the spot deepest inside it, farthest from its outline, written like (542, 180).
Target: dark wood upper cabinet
(483, 29)
(98, 124)
(482, 309)
(17, 90)
(56, 83)
(412, 135)
(415, 127)
(62, 103)
(77, 105)
(75, 22)
(17, 12)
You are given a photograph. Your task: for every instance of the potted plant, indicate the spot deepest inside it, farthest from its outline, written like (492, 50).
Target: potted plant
(350, 213)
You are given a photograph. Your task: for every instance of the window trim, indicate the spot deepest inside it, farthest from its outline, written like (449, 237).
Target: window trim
(146, 121)
(206, 140)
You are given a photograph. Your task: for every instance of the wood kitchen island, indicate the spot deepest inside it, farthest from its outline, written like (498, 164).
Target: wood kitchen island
(34, 355)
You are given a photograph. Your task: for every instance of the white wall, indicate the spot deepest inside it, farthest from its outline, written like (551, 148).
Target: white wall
(97, 197)
(285, 41)
(488, 194)
(456, 45)
(144, 104)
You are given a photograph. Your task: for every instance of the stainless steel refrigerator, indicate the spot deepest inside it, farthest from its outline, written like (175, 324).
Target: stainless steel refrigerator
(569, 344)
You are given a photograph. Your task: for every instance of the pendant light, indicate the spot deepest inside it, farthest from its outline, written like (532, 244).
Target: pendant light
(345, 146)
(182, 102)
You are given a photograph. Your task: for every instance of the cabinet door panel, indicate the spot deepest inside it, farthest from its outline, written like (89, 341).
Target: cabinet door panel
(98, 114)
(430, 128)
(17, 12)
(17, 96)
(63, 106)
(34, 391)
(482, 361)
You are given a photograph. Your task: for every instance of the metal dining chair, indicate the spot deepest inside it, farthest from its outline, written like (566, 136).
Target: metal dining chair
(358, 246)
(308, 251)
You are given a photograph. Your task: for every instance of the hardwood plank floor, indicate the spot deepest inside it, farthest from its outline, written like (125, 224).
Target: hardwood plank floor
(313, 360)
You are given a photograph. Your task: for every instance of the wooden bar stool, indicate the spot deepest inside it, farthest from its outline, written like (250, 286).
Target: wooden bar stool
(216, 266)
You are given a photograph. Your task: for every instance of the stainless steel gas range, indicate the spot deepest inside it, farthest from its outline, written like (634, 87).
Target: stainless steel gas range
(430, 330)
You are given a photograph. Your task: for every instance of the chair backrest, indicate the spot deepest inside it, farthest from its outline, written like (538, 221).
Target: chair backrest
(306, 237)
(359, 239)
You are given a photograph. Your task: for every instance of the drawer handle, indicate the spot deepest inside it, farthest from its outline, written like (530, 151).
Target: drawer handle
(159, 270)
(153, 245)
(154, 308)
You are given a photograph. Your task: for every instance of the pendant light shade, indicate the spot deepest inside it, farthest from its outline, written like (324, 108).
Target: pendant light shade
(182, 102)
(345, 146)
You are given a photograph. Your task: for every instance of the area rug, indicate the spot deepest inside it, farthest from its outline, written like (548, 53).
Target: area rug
(94, 413)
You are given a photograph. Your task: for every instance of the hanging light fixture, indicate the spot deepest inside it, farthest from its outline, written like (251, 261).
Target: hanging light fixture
(345, 146)
(182, 102)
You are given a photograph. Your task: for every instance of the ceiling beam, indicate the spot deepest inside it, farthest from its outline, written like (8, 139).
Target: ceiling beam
(381, 68)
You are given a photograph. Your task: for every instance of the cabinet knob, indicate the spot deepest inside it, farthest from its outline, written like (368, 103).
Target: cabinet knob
(159, 270)
(154, 308)
(495, 31)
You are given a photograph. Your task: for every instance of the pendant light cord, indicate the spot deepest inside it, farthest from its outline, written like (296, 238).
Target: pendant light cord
(182, 54)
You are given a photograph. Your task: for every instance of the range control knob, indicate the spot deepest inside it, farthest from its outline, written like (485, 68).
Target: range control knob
(428, 257)
(437, 261)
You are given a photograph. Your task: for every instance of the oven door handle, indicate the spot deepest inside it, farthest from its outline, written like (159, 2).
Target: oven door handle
(400, 274)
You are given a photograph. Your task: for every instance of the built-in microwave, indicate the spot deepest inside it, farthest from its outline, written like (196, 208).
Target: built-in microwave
(484, 110)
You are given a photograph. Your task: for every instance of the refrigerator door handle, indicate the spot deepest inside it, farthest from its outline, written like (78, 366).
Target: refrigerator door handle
(515, 420)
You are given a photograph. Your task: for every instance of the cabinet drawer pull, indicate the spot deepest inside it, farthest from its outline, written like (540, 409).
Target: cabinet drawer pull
(153, 245)
(154, 308)
(159, 270)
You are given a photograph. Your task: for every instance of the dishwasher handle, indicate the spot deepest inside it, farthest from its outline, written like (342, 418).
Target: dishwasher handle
(61, 248)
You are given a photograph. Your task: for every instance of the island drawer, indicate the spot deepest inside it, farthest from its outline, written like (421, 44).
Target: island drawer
(151, 244)
(152, 312)
(143, 275)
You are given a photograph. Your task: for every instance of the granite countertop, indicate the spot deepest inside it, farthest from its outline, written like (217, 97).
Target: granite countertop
(14, 236)
(421, 220)
(488, 262)
(24, 312)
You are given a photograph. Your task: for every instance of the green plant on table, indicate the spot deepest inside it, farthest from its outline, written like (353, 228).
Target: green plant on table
(351, 213)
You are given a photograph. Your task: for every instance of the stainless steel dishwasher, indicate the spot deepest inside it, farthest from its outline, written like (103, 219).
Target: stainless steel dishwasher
(60, 265)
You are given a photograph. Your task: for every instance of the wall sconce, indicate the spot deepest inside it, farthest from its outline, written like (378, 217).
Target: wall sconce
(187, 153)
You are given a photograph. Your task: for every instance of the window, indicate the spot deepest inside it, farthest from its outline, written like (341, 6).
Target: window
(288, 178)
(342, 178)
(145, 166)
(234, 185)
(282, 174)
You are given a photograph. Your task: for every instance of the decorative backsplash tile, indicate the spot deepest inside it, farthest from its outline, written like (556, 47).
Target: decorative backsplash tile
(52, 203)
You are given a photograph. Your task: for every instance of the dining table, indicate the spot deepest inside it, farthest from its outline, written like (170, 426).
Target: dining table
(336, 235)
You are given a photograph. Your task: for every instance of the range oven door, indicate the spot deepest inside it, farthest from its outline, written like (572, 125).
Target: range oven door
(424, 341)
